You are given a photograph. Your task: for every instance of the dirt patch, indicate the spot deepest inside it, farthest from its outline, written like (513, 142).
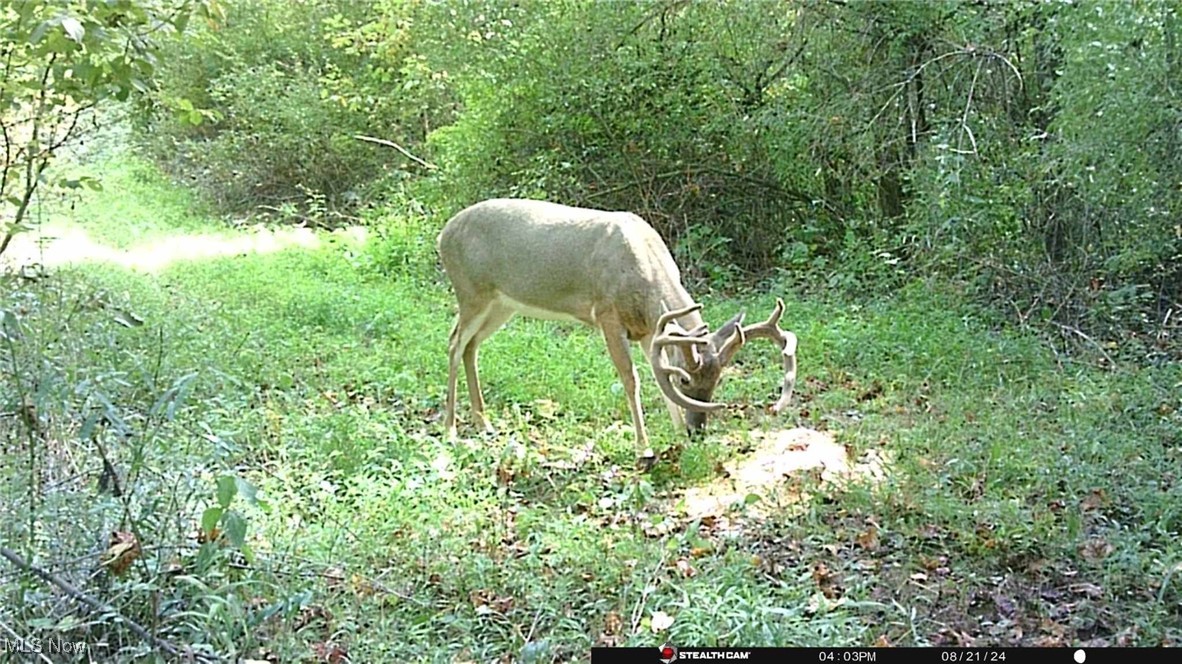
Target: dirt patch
(778, 455)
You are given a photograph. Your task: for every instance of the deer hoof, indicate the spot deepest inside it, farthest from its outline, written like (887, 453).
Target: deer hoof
(646, 462)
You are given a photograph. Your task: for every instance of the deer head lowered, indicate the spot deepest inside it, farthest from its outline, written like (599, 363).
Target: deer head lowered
(609, 270)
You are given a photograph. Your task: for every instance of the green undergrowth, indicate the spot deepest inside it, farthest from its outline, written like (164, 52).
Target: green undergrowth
(1030, 497)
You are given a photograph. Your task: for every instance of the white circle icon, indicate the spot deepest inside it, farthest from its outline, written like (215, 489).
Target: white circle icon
(1080, 656)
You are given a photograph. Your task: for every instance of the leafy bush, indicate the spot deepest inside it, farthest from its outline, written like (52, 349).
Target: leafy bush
(119, 484)
(1023, 150)
(261, 112)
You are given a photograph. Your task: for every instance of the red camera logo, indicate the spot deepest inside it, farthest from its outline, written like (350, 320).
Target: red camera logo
(668, 653)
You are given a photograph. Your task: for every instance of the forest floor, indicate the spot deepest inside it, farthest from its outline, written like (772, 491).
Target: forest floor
(939, 480)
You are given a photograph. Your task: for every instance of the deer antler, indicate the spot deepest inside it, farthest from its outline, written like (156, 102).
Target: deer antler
(675, 335)
(688, 342)
(671, 316)
(769, 329)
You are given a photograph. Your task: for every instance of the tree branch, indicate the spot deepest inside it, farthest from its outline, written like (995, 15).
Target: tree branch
(49, 577)
(391, 144)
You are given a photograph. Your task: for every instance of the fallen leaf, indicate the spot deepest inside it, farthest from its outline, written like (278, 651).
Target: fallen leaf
(1005, 606)
(1127, 637)
(868, 539)
(932, 563)
(546, 409)
(1095, 549)
(612, 623)
(608, 640)
(826, 581)
(1087, 590)
(687, 570)
(1052, 629)
(1094, 500)
(333, 576)
(505, 474)
(310, 614)
(661, 621)
(362, 587)
(123, 550)
(883, 642)
(822, 603)
(487, 602)
(330, 653)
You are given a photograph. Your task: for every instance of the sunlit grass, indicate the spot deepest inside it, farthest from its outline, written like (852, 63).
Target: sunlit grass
(320, 378)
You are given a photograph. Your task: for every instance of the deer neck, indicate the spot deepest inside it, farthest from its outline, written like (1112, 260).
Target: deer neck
(679, 298)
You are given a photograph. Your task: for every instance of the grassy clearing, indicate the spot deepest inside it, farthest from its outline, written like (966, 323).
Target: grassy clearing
(1033, 498)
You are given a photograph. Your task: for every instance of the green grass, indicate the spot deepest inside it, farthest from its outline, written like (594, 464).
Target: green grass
(1032, 499)
(136, 205)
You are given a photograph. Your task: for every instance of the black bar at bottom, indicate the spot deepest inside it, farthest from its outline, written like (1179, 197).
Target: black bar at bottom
(1074, 655)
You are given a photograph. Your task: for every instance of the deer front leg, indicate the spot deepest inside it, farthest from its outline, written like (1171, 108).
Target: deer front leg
(619, 349)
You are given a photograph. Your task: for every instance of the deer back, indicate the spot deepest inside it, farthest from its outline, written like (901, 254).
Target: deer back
(576, 262)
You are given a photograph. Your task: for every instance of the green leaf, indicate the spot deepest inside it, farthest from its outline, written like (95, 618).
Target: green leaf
(88, 426)
(174, 396)
(210, 518)
(235, 528)
(250, 494)
(9, 325)
(39, 32)
(74, 29)
(127, 319)
(227, 489)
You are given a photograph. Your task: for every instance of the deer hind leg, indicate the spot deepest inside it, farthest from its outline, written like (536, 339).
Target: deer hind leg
(497, 316)
(620, 350)
(468, 323)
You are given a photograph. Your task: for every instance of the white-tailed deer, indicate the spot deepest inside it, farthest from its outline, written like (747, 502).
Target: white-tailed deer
(609, 270)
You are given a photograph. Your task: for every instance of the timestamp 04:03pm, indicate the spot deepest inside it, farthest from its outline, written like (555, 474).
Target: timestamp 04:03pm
(916, 655)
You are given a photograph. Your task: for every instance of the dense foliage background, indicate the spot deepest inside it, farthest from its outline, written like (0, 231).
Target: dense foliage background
(223, 345)
(1024, 149)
